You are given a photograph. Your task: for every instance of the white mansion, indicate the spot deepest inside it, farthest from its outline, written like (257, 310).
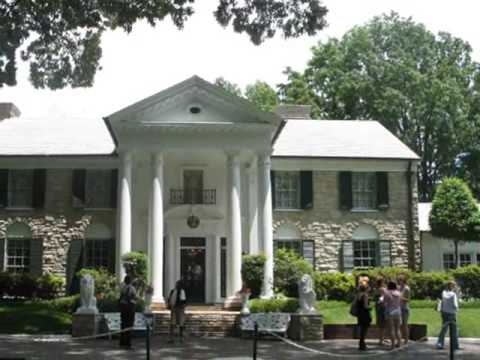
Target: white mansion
(196, 171)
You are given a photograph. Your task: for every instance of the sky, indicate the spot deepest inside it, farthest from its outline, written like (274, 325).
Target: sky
(148, 60)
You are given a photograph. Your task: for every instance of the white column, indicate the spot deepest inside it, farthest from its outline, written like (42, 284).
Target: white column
(234, 248)
(125, 213)
(253, 239)
(265, 221)
(156, 256)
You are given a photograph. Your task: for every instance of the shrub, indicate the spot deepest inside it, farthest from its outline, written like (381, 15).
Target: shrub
(468, 279)
(287, 305)
(334, 286)
(428, 285)
(25, 285)
(252, 273)
(6, 283)
(49, 286)
(288, 270)
(67, 304)
(105, 282)
(136, 265)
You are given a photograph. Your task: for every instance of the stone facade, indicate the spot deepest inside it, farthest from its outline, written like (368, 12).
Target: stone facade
(328, 225)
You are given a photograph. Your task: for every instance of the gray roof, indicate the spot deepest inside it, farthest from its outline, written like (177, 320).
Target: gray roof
(21, 136)
(339, 139)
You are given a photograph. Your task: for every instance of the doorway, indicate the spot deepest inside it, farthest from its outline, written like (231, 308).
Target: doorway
(192, 268)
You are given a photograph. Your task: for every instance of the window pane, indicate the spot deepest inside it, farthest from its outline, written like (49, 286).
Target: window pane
(18, 255)
(478, 259)
(448, 261)
(364, 253)
(97, 253)
(98, 189)
(465, 259)
(20, 188)
(364, 190)
(287, 190)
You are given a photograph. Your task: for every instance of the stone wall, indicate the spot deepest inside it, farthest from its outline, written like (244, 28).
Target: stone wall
(328, 225)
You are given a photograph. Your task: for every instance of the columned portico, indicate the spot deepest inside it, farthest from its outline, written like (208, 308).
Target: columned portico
(234, 237)
(156, 246)
(125, 212)
(265, 221)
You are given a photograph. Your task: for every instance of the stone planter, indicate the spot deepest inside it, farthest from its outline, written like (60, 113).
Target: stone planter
(305, 327)
(85, 324)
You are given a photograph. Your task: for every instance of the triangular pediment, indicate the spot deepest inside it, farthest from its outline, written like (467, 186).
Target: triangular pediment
(193, 101)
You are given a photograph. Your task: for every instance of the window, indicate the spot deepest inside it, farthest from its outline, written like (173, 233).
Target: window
(364, 253)
(448, 261)
(288, 237)
(98, 189)
(20, 188)
(478, 258)
(18, 248)
(193, 186)
(99, 245)
(287, 190)
(465, 259)
(364, 193)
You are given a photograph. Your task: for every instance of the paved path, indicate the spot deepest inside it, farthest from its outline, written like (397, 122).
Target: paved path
(27, 347)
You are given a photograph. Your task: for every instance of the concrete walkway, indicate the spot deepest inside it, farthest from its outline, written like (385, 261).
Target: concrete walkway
(43, 348)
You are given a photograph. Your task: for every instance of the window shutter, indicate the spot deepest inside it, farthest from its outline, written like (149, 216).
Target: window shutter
(347, 254)
(306, 189)
(345, 189)
(3, 188)
(78, 187)
(113, 188)
(385, 254)
(382, 190)
(112, 256)
(272, 185)
(39, 188)
(309, 251)
(2, 254)
(36, 256)
(74, 264)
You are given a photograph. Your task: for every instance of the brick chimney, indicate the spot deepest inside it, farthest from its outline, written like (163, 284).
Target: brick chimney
(8, 110)
(301, 112)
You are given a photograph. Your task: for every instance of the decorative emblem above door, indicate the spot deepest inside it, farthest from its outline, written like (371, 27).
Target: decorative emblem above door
(193, 221)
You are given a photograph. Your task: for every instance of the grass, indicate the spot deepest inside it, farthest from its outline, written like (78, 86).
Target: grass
(33, 318)
(422, 312)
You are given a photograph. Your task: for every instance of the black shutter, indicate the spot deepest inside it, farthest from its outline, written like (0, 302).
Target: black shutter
(382, 190)
(36, 256)
(384, 253)
(39, 180)
(2, 254)
(112, 255)
(347, 254)
(78, 187)
(113, 188)
(308, 251)
(345, 190)
(306, 189)
(74, 264)
(272, 190)
(3, 188)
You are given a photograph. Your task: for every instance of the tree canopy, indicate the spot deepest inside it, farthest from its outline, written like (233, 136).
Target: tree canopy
(425, 88)
(60, 39)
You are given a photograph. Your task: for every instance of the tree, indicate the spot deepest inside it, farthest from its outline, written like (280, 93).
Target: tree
(421, 86)
(62, 37)
(454, 213)
(262, 95)
(229, 86)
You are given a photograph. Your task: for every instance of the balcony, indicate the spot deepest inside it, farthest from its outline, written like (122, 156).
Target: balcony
(193, 196)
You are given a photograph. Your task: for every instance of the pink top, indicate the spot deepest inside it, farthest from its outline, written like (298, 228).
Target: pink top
(391, 299)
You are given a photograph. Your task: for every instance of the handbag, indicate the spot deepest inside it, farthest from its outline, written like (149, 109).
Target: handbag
(354, 308)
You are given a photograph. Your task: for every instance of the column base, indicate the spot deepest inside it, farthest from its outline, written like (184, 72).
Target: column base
(233, 302)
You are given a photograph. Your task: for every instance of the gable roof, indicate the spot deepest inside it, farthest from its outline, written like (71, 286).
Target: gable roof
(340, 139)
(52, 136)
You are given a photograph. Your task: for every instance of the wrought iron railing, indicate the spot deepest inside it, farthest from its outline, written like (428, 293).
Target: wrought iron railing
(193, 196)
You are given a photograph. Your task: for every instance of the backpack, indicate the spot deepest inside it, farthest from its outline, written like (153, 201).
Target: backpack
(354, 308)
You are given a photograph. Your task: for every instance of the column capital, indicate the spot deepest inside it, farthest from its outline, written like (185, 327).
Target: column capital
(264, 160)
(233, 159)
(157, 158)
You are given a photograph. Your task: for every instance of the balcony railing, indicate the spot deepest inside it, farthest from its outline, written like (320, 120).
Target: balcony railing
(189, 196)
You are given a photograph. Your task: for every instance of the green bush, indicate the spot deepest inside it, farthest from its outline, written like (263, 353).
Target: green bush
(49, 286)
(428, 285)
(287, 305)
(68, 304)
(6, 283)
(288, 270)
(468, 279)
(105, 282)
(136, 265)
(334, 286)
(252, 273)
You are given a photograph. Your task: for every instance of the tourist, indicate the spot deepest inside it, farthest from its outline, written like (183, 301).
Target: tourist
(393, 313)
(380, 308)
(177, 301)
(364, 317)
(449, 309)
(128, 296)
(404, 305)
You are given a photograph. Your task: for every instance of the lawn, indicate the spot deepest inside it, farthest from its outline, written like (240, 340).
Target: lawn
(422, 312)
(33, 318)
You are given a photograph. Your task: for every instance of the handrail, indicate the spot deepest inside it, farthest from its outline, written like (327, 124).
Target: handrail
(193, 196)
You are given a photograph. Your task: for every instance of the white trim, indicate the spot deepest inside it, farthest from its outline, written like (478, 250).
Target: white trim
(339, 164)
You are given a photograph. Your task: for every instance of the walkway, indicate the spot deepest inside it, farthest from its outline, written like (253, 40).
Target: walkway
(27, 347)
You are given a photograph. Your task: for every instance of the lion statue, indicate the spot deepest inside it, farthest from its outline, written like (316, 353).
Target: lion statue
(306, 295)
(88, 302)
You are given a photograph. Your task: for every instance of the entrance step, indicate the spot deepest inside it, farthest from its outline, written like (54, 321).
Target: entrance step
(201, 322)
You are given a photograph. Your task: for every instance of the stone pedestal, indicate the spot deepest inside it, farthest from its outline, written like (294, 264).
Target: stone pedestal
(85, 324)
(305, 327)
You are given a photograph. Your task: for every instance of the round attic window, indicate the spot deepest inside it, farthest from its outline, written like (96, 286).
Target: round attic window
(194, 109)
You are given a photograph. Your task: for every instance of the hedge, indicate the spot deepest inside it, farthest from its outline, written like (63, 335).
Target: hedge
(287, 305)
(28, 286)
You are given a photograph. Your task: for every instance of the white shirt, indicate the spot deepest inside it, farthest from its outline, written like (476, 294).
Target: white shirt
(449, 302)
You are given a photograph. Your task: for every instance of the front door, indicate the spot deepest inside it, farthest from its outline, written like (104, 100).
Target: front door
(192, 267)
